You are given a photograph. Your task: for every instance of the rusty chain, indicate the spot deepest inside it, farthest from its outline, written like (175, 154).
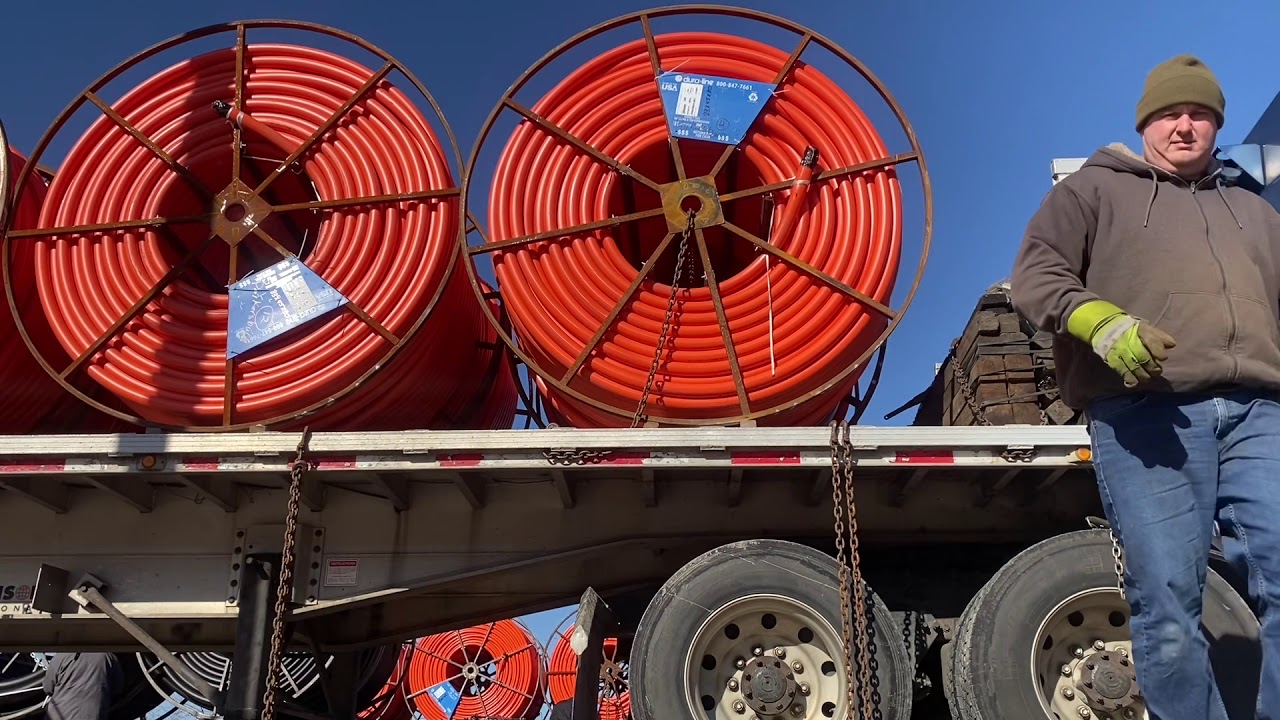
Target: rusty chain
(570, 456)
(283, 590)
(639, 415)
(857, 628)
(1118, 554)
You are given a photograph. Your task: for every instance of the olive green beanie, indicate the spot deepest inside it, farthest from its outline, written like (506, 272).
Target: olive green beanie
(1180, 79)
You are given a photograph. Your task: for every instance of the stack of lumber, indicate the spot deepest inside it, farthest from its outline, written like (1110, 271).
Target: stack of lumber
(1000, 371)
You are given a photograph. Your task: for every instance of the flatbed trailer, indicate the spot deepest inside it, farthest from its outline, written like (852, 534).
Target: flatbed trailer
(403, 534)
(408, 533)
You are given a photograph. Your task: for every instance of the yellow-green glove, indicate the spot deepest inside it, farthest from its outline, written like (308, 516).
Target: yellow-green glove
(1133, 348)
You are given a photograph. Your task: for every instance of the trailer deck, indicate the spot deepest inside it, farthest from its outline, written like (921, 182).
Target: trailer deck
(407, 533)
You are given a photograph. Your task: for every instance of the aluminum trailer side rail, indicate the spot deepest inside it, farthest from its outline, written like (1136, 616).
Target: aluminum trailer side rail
(405, 533)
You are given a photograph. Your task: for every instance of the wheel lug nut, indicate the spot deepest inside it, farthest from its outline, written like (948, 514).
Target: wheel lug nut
(1068, 693)
(1099, 645)
(804, 688)
(1077, 651)
(739, 706)
(733, 683)
(1123, 652)
(797, 666)
(797, 710)
(740, 663)
(779, 652)
(1066, 669)
(757, 651)
(1084, 712)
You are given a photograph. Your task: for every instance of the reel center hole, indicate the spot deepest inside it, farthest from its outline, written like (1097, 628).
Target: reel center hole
(235, 212)
(691, 203)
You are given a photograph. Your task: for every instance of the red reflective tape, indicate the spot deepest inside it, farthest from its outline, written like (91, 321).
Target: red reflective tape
(625, 458)
(460, 459)
(765, 457)
(201, 463)
(925, 457)
(334, 462)
(33, 466)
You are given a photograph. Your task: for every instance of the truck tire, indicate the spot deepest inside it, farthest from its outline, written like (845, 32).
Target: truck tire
(1045, 609)
(767, 606)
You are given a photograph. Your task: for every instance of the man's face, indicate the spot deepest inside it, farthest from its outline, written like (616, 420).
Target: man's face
(1181, 138)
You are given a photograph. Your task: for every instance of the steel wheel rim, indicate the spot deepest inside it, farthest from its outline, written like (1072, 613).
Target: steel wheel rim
(813, 658)
(448, 145)
(1065, 640)
(808, 36)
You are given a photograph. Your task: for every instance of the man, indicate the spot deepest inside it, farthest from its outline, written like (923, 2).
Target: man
(82, 686)
(1162, 282)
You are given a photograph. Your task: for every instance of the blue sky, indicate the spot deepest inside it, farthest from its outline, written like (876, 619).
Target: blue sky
(994, 90)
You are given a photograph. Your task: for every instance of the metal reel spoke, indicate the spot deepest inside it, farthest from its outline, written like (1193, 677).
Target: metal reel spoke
(565, 233)
(722, 319)
(577, 142)
(137, 307)
(811, 271)
(326, 126)
(618, 307)
(183, 171)
(95, 228)
(783, 72)
(237, 145)
(890, 161)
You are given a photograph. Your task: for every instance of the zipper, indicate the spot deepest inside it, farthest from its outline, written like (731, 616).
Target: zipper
(1226, 290)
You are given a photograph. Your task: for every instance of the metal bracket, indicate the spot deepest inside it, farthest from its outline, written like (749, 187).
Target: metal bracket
(88, 594)
(260, 539)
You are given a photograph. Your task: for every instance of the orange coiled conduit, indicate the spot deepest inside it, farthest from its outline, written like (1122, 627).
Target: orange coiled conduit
(562, 677)
(496, 668)
(168, 364)
(30, 401)
(559, 292)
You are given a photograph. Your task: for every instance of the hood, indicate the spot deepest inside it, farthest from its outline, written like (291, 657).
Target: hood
(1118, 157)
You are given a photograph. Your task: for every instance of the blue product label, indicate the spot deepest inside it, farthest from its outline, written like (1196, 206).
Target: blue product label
(273, 301)
(705, 107)
(446, 697)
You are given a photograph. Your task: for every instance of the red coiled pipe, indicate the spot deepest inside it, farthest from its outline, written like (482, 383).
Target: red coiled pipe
(168, 365)
(562, 677)
(792, 333)
(30, 401)
(496, 668)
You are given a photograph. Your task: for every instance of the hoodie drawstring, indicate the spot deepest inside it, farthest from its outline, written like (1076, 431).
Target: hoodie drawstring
(1230, 209)
(1155, 186)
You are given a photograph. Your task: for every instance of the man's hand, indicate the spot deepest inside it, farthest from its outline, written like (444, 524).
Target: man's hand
(1133, 348)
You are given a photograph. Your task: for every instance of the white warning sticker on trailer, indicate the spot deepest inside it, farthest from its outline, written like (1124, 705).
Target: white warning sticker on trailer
(341, 572)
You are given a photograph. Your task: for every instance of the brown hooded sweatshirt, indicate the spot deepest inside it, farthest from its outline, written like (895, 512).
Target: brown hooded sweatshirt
(1199, 260)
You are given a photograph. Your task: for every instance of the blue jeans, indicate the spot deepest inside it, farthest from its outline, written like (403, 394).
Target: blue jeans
(1169, 466)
